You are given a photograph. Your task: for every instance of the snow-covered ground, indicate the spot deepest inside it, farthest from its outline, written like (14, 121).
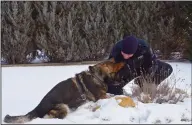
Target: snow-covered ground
(24, 87)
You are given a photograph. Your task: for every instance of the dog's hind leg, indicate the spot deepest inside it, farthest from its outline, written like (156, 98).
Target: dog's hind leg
(22, 118)
(59, 111)
(40, 111)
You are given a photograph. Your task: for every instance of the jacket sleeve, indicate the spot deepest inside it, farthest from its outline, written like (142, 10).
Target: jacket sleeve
(149, 57)
(144, 57)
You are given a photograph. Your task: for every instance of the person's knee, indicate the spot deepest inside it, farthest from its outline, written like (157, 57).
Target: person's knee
(164, 71)
(170, 69)
(165, 67)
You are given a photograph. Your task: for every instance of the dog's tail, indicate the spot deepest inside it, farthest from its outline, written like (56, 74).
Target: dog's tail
(21, 119)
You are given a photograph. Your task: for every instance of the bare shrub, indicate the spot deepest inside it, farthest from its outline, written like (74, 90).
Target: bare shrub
(163, 93)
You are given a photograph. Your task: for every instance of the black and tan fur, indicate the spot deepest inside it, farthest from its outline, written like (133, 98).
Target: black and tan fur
(85, 86)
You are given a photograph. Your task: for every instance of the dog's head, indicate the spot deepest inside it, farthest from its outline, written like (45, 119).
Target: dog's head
(106, 69)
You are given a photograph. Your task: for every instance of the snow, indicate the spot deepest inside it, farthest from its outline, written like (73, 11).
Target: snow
(40, 57)
(24, 87)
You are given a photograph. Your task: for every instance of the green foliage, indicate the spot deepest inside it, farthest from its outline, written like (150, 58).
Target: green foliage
(186, 7)
(81, 30)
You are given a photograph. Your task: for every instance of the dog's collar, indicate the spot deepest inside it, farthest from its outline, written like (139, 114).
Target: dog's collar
(81, 88)
(95, 76)
(84, 92)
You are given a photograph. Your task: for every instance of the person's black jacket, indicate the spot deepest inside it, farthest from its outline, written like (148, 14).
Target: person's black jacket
(142, 60)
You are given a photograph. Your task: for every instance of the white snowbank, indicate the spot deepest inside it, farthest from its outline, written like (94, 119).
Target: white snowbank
(24, 87)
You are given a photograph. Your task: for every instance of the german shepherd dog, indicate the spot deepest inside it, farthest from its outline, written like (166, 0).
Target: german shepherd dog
(85, 86)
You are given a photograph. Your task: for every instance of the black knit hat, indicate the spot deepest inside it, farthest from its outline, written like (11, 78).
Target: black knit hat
(129, 45)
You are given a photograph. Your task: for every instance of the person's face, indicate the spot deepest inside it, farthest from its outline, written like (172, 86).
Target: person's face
(126, 56)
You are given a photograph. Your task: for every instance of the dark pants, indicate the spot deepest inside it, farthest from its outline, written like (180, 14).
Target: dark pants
(160, 72)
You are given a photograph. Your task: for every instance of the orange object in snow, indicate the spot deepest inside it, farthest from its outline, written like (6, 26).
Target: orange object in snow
(126, 101)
